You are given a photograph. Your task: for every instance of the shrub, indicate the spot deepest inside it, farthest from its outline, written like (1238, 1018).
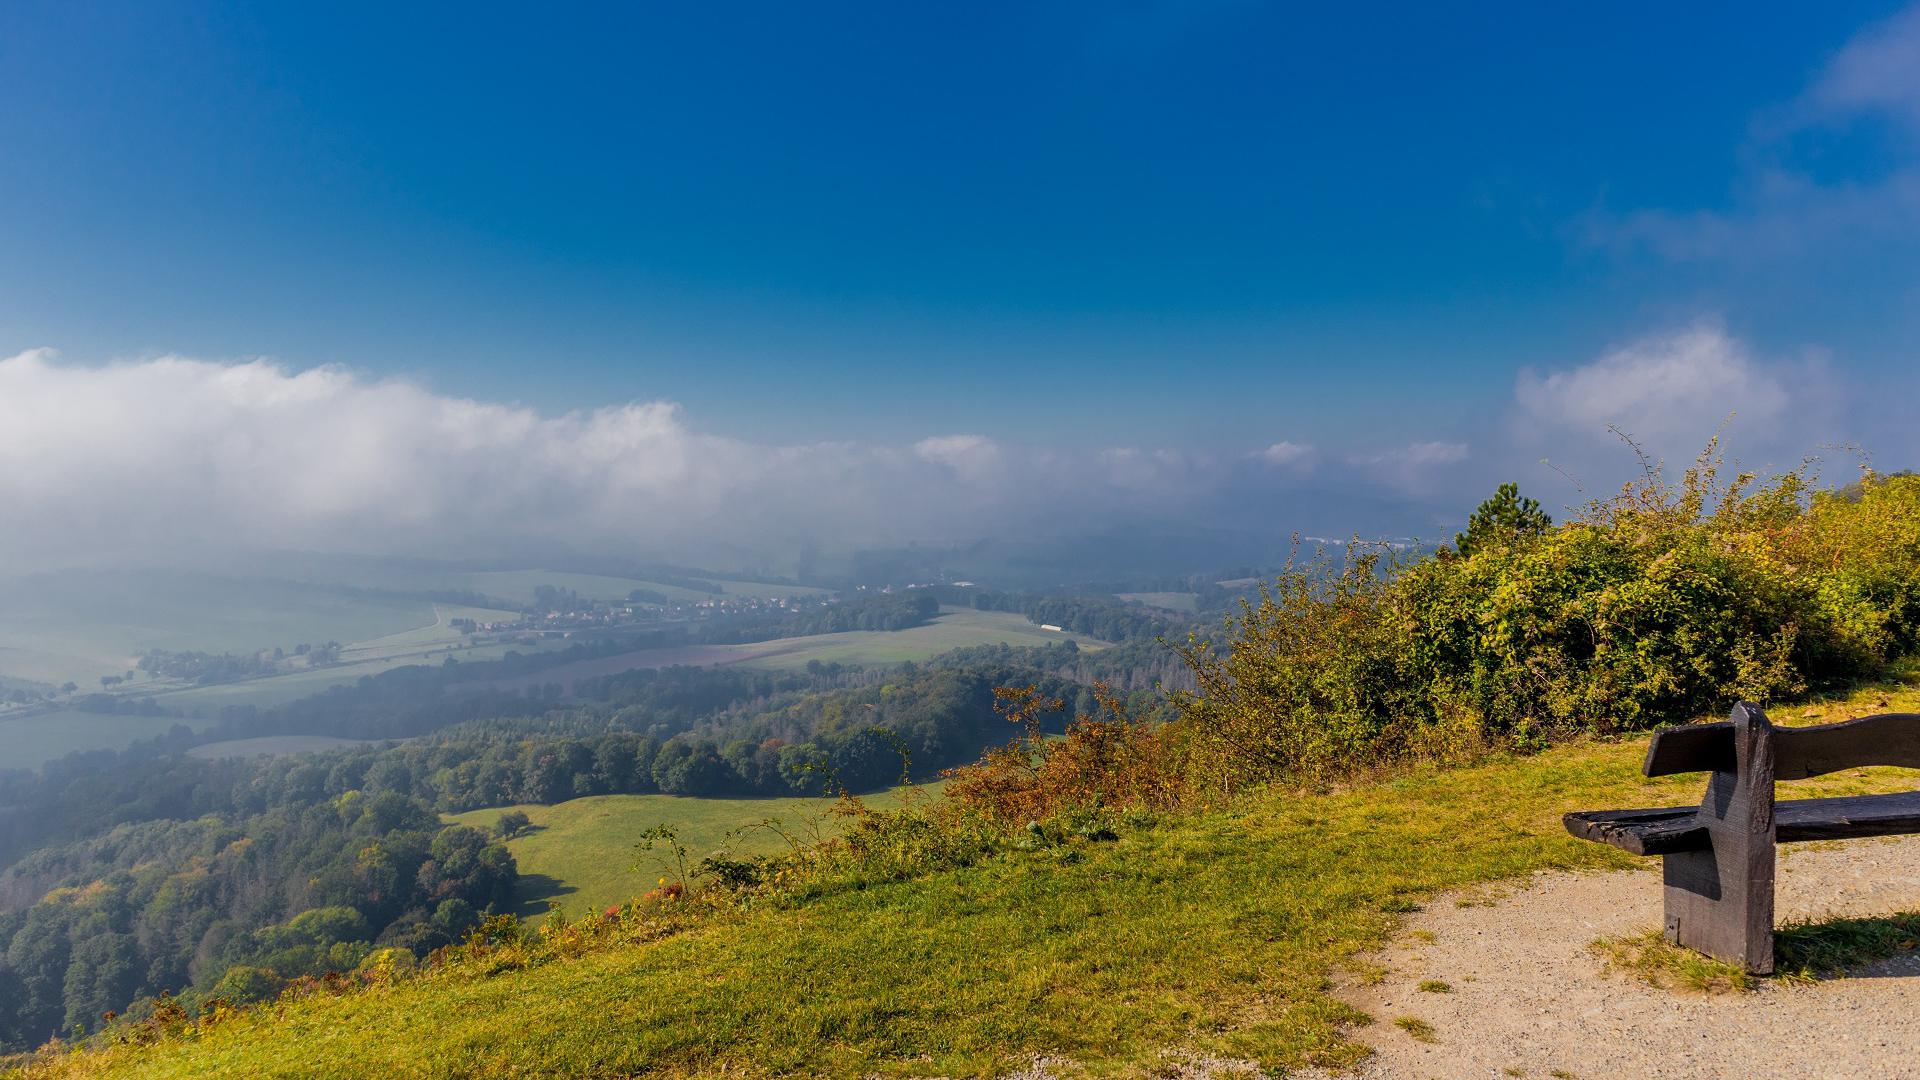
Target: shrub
(1104, 760)
(1659, 604)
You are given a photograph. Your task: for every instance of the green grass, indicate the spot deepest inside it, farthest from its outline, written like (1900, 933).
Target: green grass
(1416, 1028)
(1804, 952)
(1215, 933)
(580, 853)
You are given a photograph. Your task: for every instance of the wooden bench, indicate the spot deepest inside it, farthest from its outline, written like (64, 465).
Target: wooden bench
(1719, 856)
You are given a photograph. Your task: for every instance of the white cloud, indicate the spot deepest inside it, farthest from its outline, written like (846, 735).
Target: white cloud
(169, 457)
(1290, 455)
(1672, 391)
(1424, 455)
(975, 459)
(173, 455)
(1879, 69)
(1665, 389)
(1414, 469)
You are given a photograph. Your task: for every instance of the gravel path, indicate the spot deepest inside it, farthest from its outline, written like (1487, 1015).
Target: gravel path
(1529, 999)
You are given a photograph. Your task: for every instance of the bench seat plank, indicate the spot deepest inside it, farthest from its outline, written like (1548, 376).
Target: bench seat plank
(1659, 831)
(1668, 830)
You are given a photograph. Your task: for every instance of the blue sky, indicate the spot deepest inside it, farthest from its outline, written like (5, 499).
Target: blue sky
(1200, 228)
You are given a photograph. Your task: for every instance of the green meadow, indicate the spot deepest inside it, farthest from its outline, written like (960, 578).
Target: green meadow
(580, 854)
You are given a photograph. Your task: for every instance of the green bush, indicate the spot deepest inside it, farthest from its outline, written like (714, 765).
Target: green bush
(1655, 606)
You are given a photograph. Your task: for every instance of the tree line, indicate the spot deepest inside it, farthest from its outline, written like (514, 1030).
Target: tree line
(286, 878)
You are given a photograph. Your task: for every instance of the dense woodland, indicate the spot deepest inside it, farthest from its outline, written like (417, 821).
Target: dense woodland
(285, 879)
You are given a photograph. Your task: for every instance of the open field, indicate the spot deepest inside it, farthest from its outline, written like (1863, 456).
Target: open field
(519, 586)
(580, 852)
(1171, 601)
(280, 689)
(439, 634)
(954, 628)
(80, 626)
(29, 741)
(1214, 935)
(270, 746)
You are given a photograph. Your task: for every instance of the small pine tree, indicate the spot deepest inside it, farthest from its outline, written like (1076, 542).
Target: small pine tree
(1501, 520)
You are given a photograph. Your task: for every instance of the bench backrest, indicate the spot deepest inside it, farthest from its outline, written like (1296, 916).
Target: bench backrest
(1798, 753)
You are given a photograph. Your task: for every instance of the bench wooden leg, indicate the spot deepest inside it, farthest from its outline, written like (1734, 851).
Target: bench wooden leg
(1720, 900)
(1719, 910)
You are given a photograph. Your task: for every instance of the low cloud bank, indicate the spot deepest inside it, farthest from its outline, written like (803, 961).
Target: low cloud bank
(170, 455)
(155, 459)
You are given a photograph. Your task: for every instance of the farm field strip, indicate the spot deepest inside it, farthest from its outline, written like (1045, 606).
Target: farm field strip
(437, 634)
(952, 629)
(271, 746)
(1171, 601)
(519, 586)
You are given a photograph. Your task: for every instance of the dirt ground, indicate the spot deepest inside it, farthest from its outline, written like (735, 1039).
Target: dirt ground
(1529, 998)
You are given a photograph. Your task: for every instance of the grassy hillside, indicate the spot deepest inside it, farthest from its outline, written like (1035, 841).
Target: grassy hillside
(579, 852)
(1208, 933)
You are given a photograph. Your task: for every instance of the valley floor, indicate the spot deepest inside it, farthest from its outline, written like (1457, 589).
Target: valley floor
(1218, 937)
